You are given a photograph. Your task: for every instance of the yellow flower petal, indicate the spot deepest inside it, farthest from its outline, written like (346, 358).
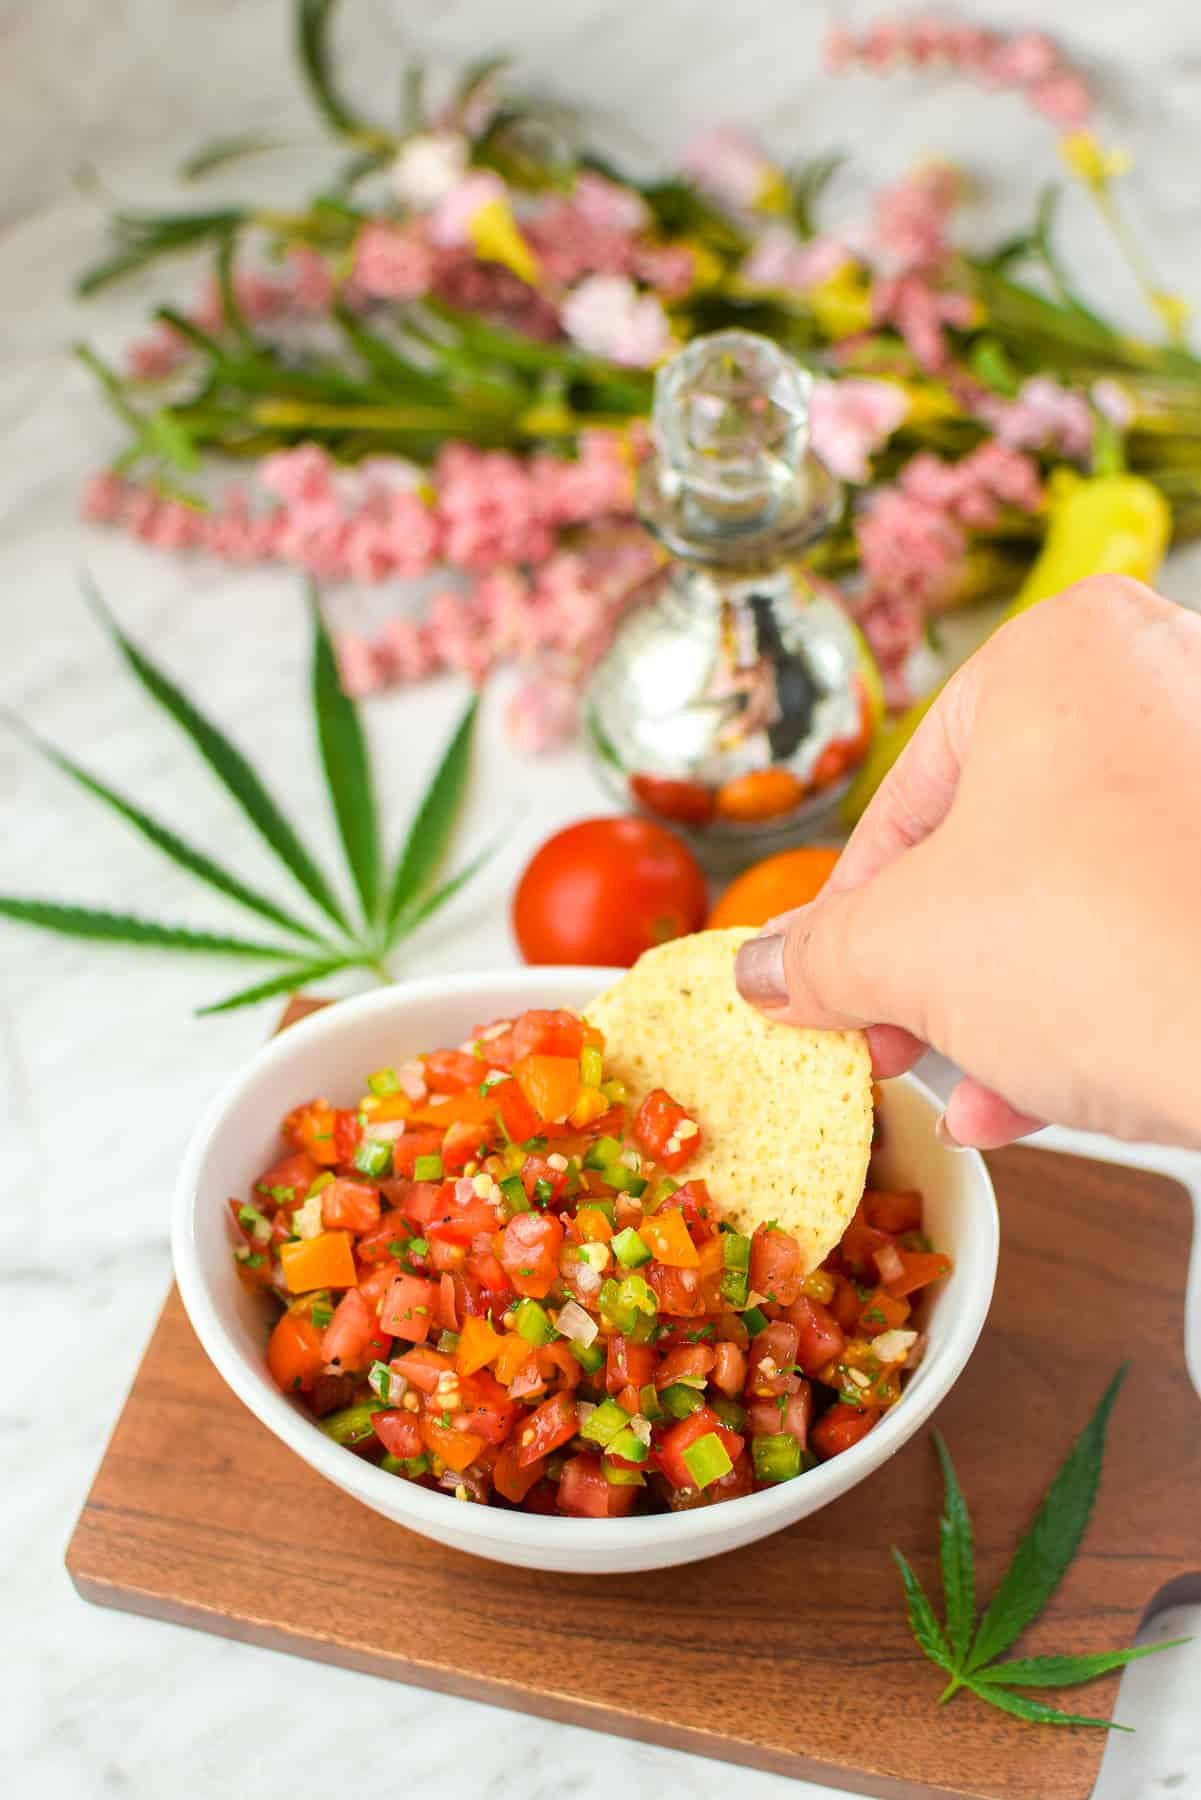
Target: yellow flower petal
(495, 238)
(773, 195)
(842, 303)
(1088, 160)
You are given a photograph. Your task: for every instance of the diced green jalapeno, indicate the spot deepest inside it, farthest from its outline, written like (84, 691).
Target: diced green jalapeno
(513, 1196)
(618, 1477)
(319, 1182)
(648, 1402)
(592, 1066)
(384, 1081)
(734, 1286)
(679, 1400)
(606, 1150)
(252, 1220)
(614, 1092)
(590, 1357)
(427, 1168)
(776, 1458)
(628, 1445)
(707, 1459)
(533, 1322)
(604, 1422)
(373, 1157)
(600, 1204)
(410, 1466)
(353, 1424)
(729, 1412)
(626, 1181)
(630, 1250)
(755, 1321)
(663, 1190)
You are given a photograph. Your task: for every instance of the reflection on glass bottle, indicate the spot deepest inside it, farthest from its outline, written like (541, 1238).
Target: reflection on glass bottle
(733, 699)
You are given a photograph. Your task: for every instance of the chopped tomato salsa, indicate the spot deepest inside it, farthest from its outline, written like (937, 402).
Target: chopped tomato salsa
(501, 1289)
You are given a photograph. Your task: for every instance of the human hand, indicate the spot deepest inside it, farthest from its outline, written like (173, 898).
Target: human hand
(1024, 891)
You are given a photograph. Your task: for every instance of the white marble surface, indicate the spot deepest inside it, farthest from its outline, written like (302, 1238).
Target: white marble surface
(102, 1068)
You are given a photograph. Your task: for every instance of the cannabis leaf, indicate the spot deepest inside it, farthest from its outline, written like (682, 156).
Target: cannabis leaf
(967, 1652)
(389, 911)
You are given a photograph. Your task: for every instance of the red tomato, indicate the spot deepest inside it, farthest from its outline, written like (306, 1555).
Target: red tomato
(297, 1171)
(685, 1432)
(461, 1145)
(451, 1071)
(422, 1366)
(354, 1337)
(605, 890)
(464, 1222)
(408, 1309)
(887, 1211)
(687, 802)
(688, 1359)
(349, 1206)
(415, 1141)
(548, 1426)
(541, 1033)
(530, 1253)
(627, 1364)
(775, 1346)
(347, 1132)
(696, 1205)
(655, 1128)
(446, 1253)
(921, 1267)
(678, 1291)
(775, 1265)
(729, 1368)
(375, 1284)
(516, 1114)
(488, 1272)
(373, 1246)
(423, 1201)
(819, 1336)
(584, 1492)
(841, 1427)
(510, 1480)
(399, 1433)
(535, 1169)
(294, 1353)
(845, 1303)
(859, 1244)
(487, 1406)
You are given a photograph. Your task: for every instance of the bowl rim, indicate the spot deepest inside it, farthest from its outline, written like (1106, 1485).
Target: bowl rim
(424, 1508)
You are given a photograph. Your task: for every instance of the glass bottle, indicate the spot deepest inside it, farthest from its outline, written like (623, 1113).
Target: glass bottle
(734, 701)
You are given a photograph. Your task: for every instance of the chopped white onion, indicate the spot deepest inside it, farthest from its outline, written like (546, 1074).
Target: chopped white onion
(641, 1427)
(306, 1220)
(889, 1264)
(584, 1410)
(387, 1384)
(557, 1161)
(574, 1323)
(411, 1077)
(894, 1346)
(465, 1194)
(386, 1132)
(587, 1280)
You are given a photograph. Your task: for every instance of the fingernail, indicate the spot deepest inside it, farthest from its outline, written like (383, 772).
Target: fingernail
(780, 920)
(759, 970)
(942, 1133)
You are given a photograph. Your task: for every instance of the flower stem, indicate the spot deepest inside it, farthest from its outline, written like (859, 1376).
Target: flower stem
(952, 1687)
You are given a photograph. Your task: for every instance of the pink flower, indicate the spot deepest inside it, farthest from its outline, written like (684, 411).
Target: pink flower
(358, 666)
(176, 526)
(542, 713)
(455, 638)
(312, 283)
(730, 166)
(911, 221)
(850, 420)
(157, 354)
(302, 475)
(607, 316)
(780, 259)
(908, 547)
(1029, 63)
(607, 206)
(1114, 403)
(668, 268)
(404, 650)
(920, 312)
(1064, 99)
(390, 264)
(450, 221)
(1043, 416)
(104, 498)
(428, 166)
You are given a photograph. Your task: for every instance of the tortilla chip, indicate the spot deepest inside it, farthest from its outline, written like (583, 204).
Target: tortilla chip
(785, 1115)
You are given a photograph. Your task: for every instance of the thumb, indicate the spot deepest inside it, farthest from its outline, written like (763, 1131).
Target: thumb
(854, 957)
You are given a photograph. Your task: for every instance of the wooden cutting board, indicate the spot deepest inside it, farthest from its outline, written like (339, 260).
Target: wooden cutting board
(792, 1655)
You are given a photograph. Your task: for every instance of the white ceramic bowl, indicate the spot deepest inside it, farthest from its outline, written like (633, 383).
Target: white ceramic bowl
(329, 1054)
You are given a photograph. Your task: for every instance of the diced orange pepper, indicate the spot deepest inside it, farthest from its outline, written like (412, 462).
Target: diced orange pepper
(511, 1357)
(386, 1106)
(592, 1225)
(667, 1237)
(326, 1260)
(921, 1267)
(882, 1311)
(456, 1448)
(710, 1257)
(314, 1128)
(456, 1109)
(551, 1084)
(591, 1105)
(478, 1345)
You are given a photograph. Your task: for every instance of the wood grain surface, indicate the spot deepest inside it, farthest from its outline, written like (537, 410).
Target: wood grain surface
(792, 1655)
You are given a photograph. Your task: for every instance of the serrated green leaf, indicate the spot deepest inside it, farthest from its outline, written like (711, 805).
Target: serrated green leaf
(1042, 1557)
(195, 861)
(127, 928)
(1035, 1711)
(289, 981)
(226, 150)
(957, 1553)
(1067, 1671)
(347, 765)
(228, 764)
(922, 1619)
(430, 833)
(421, 910)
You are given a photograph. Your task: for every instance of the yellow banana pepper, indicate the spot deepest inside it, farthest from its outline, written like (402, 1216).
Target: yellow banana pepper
(1117, 524)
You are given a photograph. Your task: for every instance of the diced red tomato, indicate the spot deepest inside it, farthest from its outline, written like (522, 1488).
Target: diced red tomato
(375, 1284)
(678, 1290)
(694, 1201)
(729, 1368)
(294, 1352)
(841, 1427)
(375, 1244)
(694, 1360)
(680, 1436)
(461, 1145)
(417, 1140)
(882, 1311)
(893, 1212)
(424, 1201)
(459, 1449)
(350, 1205)
(409, 1306)
(446, 1255)
(487, 1407)
(488, 1272)
(354, 1338)
(548, 1426)
(771, 1360)
(530, 1252)
(529, 1379)
(296, 1171)
(399, 1433)
(451, 1071)
(586, 1494)
(347, 1134)
(556, 1360)
(789, 1413)
(516, 1114)
(627, 1364)
(535, 1169)
(512, 1481)
(846, 1303)
(921, 1267)
(860, 1242)
(464, 1223)
(819, 1337)
(538, 1033)
(775, 1265)
(422, 1366)
(656, 1130)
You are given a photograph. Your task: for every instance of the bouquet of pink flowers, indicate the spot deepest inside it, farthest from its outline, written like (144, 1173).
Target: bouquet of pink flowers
(441, 367)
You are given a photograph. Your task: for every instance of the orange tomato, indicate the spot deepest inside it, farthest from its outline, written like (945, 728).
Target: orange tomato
(294, 1354)
(763, 794)
(774, 886)
(669, 1242)
(551, 1084)
(326, 1260)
